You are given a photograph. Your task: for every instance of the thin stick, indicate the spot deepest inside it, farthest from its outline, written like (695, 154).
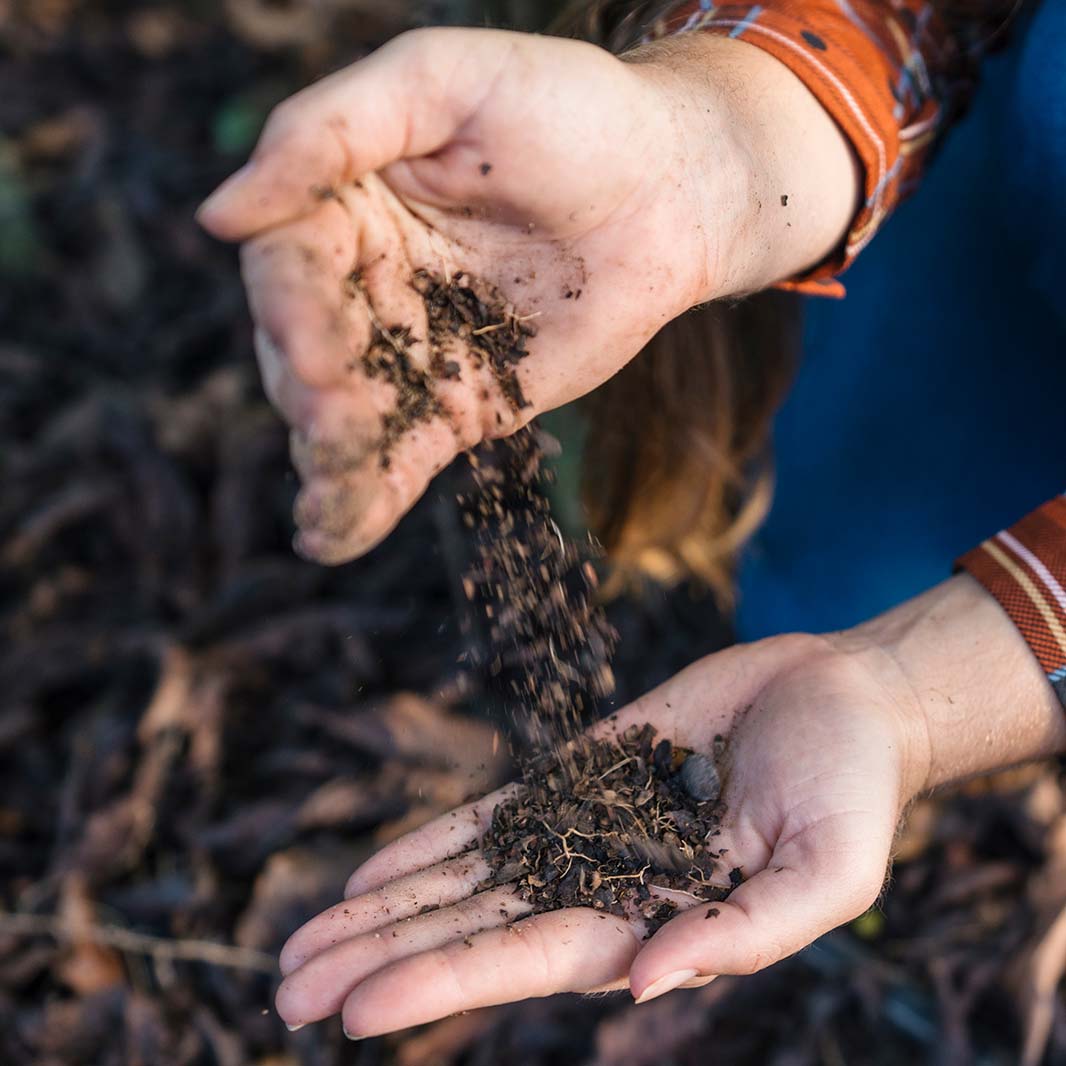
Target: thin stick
(680, 891)
(376, 322)
(138, 943)
(617, 766)
(513, 320)
(628, 877)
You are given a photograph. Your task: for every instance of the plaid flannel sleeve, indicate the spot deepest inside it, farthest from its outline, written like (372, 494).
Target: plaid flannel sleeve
(888, 72)
(1024, 568)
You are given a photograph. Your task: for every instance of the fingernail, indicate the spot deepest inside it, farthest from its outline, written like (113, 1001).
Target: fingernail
(224, 191)
(295, 1028)
(350, 1036)
(666, 984)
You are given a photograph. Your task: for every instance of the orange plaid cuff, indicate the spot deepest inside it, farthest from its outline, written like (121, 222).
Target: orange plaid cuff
(888, 73)
(1024, 568)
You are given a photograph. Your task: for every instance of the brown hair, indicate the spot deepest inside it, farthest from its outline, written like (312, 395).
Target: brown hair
(676, 471)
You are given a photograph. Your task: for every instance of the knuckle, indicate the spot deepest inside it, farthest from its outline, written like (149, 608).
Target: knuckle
(415, 40)
(765, 956)
(454, 970)
(538, 953)
(305, 361)
(280, 119)
(315, 362)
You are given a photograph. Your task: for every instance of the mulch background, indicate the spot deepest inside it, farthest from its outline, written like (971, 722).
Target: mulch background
(200, 734)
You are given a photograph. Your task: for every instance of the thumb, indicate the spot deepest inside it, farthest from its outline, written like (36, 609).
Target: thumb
(808, 888)
(408, 99)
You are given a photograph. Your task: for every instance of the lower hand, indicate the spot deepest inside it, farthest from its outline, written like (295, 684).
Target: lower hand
(829, 739)
(820, 764)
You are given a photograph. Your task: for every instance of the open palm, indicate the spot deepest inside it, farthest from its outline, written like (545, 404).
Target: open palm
(815, 782)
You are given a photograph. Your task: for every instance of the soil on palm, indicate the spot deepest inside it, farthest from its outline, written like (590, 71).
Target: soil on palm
(464, 316)
(610, 824)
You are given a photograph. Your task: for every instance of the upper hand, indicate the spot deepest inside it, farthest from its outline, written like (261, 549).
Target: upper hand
(547, 168)
(600, 197)
(823, 755)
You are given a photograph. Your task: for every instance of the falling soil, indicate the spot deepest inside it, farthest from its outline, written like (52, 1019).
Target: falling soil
(551, 641)
(599, 823)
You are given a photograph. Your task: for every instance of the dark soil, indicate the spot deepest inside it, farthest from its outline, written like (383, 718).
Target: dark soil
(472, 313)
(201, 735)
(388, 357)
(465, 316)
(603, 824)
(598, 823)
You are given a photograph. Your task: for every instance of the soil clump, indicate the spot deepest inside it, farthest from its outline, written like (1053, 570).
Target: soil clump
(604, 824)
(460, 311)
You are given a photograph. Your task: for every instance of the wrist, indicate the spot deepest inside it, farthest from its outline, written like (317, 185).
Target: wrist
(770, 180)
(971, 692)
(706, 158)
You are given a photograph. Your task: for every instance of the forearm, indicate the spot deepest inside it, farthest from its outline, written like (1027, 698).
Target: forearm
(792, 179)
(976, 697)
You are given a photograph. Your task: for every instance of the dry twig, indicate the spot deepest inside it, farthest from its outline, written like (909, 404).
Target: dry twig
(127, 940)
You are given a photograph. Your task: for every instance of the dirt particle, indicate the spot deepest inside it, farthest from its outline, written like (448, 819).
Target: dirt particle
(700, 778)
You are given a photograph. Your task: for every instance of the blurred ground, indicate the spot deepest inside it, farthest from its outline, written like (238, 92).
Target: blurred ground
(201, 735)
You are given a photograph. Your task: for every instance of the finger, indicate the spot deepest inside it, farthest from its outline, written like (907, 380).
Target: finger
(296, 279)
(563, 951)
(334, 431)
(355, 122)
(325, 451)
(319, 987)
(439, 886)
(443, 838)
(827, 876)
(342, 516)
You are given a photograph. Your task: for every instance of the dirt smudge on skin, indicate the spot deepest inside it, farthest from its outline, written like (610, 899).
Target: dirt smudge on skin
(465, 317)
